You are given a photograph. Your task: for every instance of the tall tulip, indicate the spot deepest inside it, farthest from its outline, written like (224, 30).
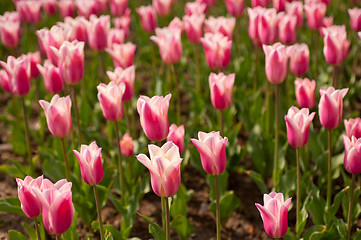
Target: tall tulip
(287, 28)
(296, 9)
(122, 54)
(305, 92)
(118, 7)
(29, 10)
(299, 55)
(163, 7)
(254, 16)
(76, 29)
(110, 98)
(98, 28)
(169, 43)
(353, 127)
(193, 26)
(66, 8)
(10, 31)
(336, 45)
(315, 12)
(148, 18)
(276, 62)
(267, 26)
(221, 87)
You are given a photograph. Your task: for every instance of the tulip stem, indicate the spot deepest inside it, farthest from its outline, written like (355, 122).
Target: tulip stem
(167, 218)
(334, 76)
(65, 159)
(99, 212)
(27, 135)
(221, 121)
(349, 216)
(120, 162)
(329, 174)
(275, 162)
(218, 209)
(37, 228)
(177, 87)
(163, 212)
(298, 194)
(76, 113)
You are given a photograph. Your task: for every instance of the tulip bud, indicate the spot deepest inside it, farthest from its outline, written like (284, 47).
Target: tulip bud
(196, 8)
(118, 7)
(123, 22)
(122, 54)
(51, 75)
(305, 92)
(148, 18)
(276, 62)
(176, 135)
(30, 203)
(235, 7)
(299, 55)
(126, 145)
(267, 26)
(153, 114)
(66, 8)
(355, 18)
(164, 167)
(221, 87)
(169, 44)
(336, 45)
(279, 5)
(110, 99)
(212, 149)
(193, 26)
(98, 29)
(163, 7)
(287, 28)
(353, 127)
(315, 12)
(295, 9)
(126, 76)
(352, 160)
(10, 32)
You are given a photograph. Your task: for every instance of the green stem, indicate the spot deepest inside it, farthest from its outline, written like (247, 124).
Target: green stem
(177, 88)
(334, 76)
(268, 104)
(218, 209)
(99, 212)
(76, 113)
(167, 217)
(349, 216)
(27, 135)
(120, 162)
(298, 195)
(329, 173)
(163, 213)
(198, 65)
(221, 121)
(65, 159)
(275, 167)
(37, 228)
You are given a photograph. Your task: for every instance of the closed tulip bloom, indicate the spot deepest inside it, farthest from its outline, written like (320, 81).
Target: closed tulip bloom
(103, 5)
(355, 18)
(260, 3)
(126, 145)
(196, 8)
(153, 114)
(162, 7)
(123, 22)
(352, 159)
(299, 55)
(295, 9)
(18, 71)
(315, 12)
(66, 8)
(52, 79)
(122, 54)
(267, 26)
(76, 29)
(148, 18)
(169, 44)
(34, 59)
(221, 87)
(30, 203)
(29, 10)
(117, 7)
(126, 76)
(254, 16)
(58, 115)
(90, 161)
(287, 28)
(212, 149)
(353, 127)
(115, 36)
(305, 92)
(220, 24)
(331, 106)
(51, 38)
(10, 29)
(217, 49)
(110, 98)
(336, 45)
(274, 214)
(86, 8)
(4, 81)
(98, 28)
(49, 6)
(176, 23)
(235, 7)
(193, 26)
(164, 167)
(276, 62)
(279, 5)
(176, 135)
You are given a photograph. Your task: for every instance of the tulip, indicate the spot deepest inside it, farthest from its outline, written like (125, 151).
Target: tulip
(279, 5)
(126, 76)
(176, 23)
(76, 29)
(217, 49)
(148, 18)
(110, 99)
(58, 115)
(353, 127)
(115, 36)
(126, 145)
(176, 135)
(51, 75)
(299, 55)
(34, 60)
(336, 45)
(305, 92)
(103, 5)
(169, 43)
(49, 6)
(221, 87)
(122, 54)
(274, 214)
(98, 29)
(260, 3)
(220, 24)
(30, 204)
(162, 7)
(118, 7)
(10, 29)
(295, 9)
(86, 8)
(235, 7)
(123, 22)
(267, 26)
(276, 62)
(193, 26)
(4, 81)
(29, 10)
(315, 12)
(352, 160)
(195, 8)
(66, 8)
(254, 14)
(51, 38)
(287, 28)
(153, 114)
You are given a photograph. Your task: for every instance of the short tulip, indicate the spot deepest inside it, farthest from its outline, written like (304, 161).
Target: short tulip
(336, 45)
(98, 28)
(126, 145)
(176, 135)
(30, 203)
(111, 100)
(212, 149)
(126, 76)
(287, 28)
(355, 19)
(315, 12)
(118, 7)
(122, 54)
(235, 7)
(193, 26)
(276, 62)
(299, 55)
(220, 24)
(196, 8)
(52, 79)
(10, 29)
(267, 26)
(352, 160)
(296, 9)
(221, 87)
(305, 92)
(169, 44)
(148, 18)
(353, 127)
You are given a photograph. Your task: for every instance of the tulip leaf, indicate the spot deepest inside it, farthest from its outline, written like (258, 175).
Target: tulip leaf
(341, 228)
(315, 232)
(154, 229)
(14, 235)
(31, 231)
(303, 216)
(11, 205)
(109, 231)
(337, 201)
(228, 204)
(357, 235)
(222, 180)
(182, 226)
(257, 178)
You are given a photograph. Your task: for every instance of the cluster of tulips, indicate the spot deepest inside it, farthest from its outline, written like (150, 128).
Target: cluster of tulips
(62, 59)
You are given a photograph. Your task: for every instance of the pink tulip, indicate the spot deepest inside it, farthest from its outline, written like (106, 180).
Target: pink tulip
(29, 10)
(34, 60)
(221, 87)
(315, 12)
(254, 16)
(122, 54)
(123, 22)
(299, 55)
(66, 8)
(274, 214)
(193, 26)
(57, 206)
(86, 8)
(279, 5)
(260, 3)
(126, 145)
(220, 24)
(49, 6)
(18, 71)
(276, 62)
(336, 45)
(51, 38)
(153, 114)
(115, 36)
(162, 7)
(90, 161)
(117, 7)
(295, 9)
(30, 203)
(176, 135)
(103, 5)
(196, 8)
(217, 49)
(330, 107)
(110, 98)
(4, 81)
(148, 18)
(71, 61)
(164, 167)
(352, 160)
(353, 127)
(10, 29)
(305, 92)
(169, 44)
(75, 29)
(212, 149)
(176, 23)
(267, 26)
(58, 115)
(235, 7)
(126, 76)
(287, 28)
(98, 28)
(52, 79)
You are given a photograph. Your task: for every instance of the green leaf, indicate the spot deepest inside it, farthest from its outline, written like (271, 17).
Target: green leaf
(357, 235)
(14, 235)
(337, 201)
(11, 205)
(257, 178)
(31, 231)
(182, 226)
(228, 204)
(341, 228)
(315, 232)
(303, 217)
(222, 180)
(109, 231)
(154, 229)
